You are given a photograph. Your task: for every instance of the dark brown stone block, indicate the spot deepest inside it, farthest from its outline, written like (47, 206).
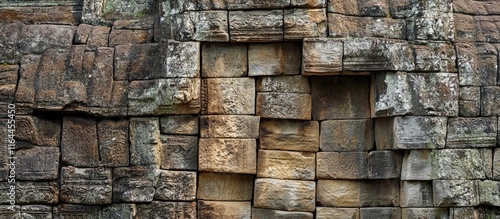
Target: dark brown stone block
(113, 142)
(79, 145)
(90, 186)
(384, 164)
(179, 152)
(176, 186)
(76, 211)
(347, 135)
(137, 62)
(490, 104)
(161, 209)
(38, 130)
(134, 184)
(38, 163)
(121, 37)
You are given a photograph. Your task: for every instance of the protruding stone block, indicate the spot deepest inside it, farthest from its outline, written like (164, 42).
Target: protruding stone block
(469, 104)
(357, 193)
(90, 186)
(289, 195)
(37, 163)
(229, 126)
(36, 211)
(341, 26)
(224, 60)
(225, 187)
(488, 192)
(284, 105)
(145, 141)
(228, 96)
(179, 125)
(274, 59)
(413, 213)
(471, 132)
(78, 211)
(160, 209)
(417, 165)
(256, 26)
(435, 57)
(380, 212)
(347, 135)
(134, 184)
(119, 211)
(79, 145)
(261, 213)
(477, 64)
(37, 130)
(326, 213)
(342, 165)
(451, 193)
(359, 7)
(113, 142)
(490, 106)
(461, 163)
(213, 209)
(322, 56)
(183, 59)
(211, 26)
(284, 84)
(176, 186)
(290, 135)
(304, 23)
(410, 132)
(286, 165)
(227, 155)
(384, 164)
(179, 152)
(416, 194)
(138, 62)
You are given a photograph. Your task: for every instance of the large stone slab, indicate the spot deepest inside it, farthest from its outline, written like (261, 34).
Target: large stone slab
(137, 62)
(145, 141)
(286, 165)
(283, 105)
(417, 165)
(274, 59)
(113, 142)
(261, 213)
(490, 106)
(37, 163)
(92, 186)
(176, 186)
(477, 64)
(283, 84)
(289, 195)
(347, 135)
(342, 165)
(229, 126)
(326, 213)
(224, 60)
(304, 23)
(227, 155)
(98, 37)
(356, 193)
(134, 184)
(450, 193)
(218, 209)
(471, 132)
(161, 209)
(461, 163)
(37, 130)
(341, 26)
(79, 145)
(290, 135)
(424, 213)
(384, 164)
(78, 211)
(179, 125)
(322, 56)
(179, 152)
(256, 26)
(228, 96)
(225, 187)
(416, 194)
(183, 59)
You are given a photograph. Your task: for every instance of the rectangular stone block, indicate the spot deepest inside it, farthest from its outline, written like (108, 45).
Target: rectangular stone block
(37, 130)
(342, 165)
(416, 194)
(274, 59)
(161, 209)
(471, 132)
(225, 187)
(179, 125)
(229, 126)
(211, 26)
(76, 211)
(435, 57)
(288, 195)
(8, 82)
(286, 165)
(25, 92)
(326, 213)
(134, 184)
(304, 23)
(490, 106)
(228, 96)
(347, 135)
(290, 135)
(10, 33)
(488, 192)
(79, 145)
(35, 39)
(176, 186)
(137, 62)
(217, 209)
(410, 132)
(261, 213)
(357, 193)
(92, 186)
(417, 165)
(359, 7)
(113, 142)
(431, 25)
(308, 3)
(118, 211)
(145, 142)
(256, 26)
(469, 104)
(340, 97)
(98, 37)
(256, 4)
(46, 192)
(461, 163)
(179, 152)
(7, 212)
(183, 59)
(380, 212)
(222, 60)
(477, 64)
(37, 163)
(322, 56)
(284, 105)
(413, 213)
(342, 26)
(465, 28)
(451, 193)
(496, 164)
(384, 164)
(36, 211)
(283, 84)
(227, 155)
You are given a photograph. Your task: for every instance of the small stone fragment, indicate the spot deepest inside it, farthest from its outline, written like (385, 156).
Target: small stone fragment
(283, 105)
(228, 96)
(213, 209)
(227, 155)
(451, 193)
(289, 195)
(290, 135)
(229, 126)
(286, 165)
(224, 60)
(176, 186)
(274, 59)
(347, 135)
(225, 187)
(179, 152)
(342, 165)
(90, 186)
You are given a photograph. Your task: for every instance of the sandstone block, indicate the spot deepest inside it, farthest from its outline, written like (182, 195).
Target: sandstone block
(37, 163)
(8, 82)
(404, 8)
(383, 212)
(451, 193)
(137, 62)
(79, 145)
(211, 26)
(37, 130)
(477, 64)
(496, 164)
(79, 211)
(438, 57)
(36, 211)
(283, 105)
(176, 186)
(461, 163)
(32, 192)
(7, 212)
(261, 213)
(145, 141)
(224, 60)
(179, 152)
(228, 96)
(283, 84)
(410, 132)
(417, 165)
(304, 23)
(98, 37)
(35, 39)
(82, 33)
(357, 193)
(289, 195)
(341, 26)
(471, 132)
(25, 92)
(414, 213)
(90, 186)
(286, 165)
(274, 59)
(465, 28)
(322, 56)
(347, 135)
(431, 25)
(183, 59)
(326, 213)
(308, 3)
(118, 211)
(342, 165)
(113, 142)
(179, 125)
(225, 187)
(488, 192)
(360, 8)
(490, 106)
(475, 7)
(227, 155)
(9, 35)
(384, 164)
(161, 209)
(213, 209)
(134, 184)
(229, 126)
(291, 135)
(255, 4)
(416, 194)
(256, 26)
(342, 97)
(469, 104)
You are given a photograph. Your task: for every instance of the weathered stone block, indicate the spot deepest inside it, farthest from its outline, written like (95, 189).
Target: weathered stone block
(37, 163)
(406, 8)
(98, 37)
(255, 4)
(356, 193)
(256, 26)
(37, 130)
(35, 192)
(384, 164)
(283, 105)
(82, 33)
(25, 92)
(9, 35)
(417, 165)
(160, 209)
(465, 28)
(450, 193)
(119, 211)
(78, 211)
(209, 26)
(145, 141)
(360, 7)
(477, 64)
(342, 165)
(431, 25)
(416, 194)
(134, 184)
(113, 142)
(8, 82)
(289, 195)
(225, 187)
(475, 7)
(119, 9)
(326, 213)
(490, 106)
(90, 186)
(179, 152)
(183, 59)
(6, 211)
(488, 192)
(304, 23)
(322, 56)
(414, 213)
(471, 132)
(341, 97)
(410, 132)
(212, 209)
(228, 96)
(461, 163)
(224, 60)
(261, 213)
(496, 164)
(227, 155)
(283, 84)
(341, 26)
(176, 186)
(229, 126)
(137, 62)
(438, 57)
(36, 211)
(308, 3)
(286, 165)
(384, 212)
(179, 125)
(35, 39)
(347, 135)
(417, 94)
(291, 135)
(79, 146)
(469, 104)
(274, 59)
(123, 37)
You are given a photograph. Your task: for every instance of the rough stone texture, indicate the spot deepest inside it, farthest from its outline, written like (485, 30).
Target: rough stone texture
(113, 142)
(92, 186)
(291, 135)
(160, 209)
(134, 184)
(37, 163)
(37, 130)
(410, 132)
(424, 213)
(304, 23)
(228, 96)
(322, 56)
(261, 213)
(449, 193)
(79, 145)
(326, 213)
(496, 164)
(256, 26)
(477, 64)
(416, 194)
(488, 192)
(225, 187)
(36, 211)
(283, 84)
(356, 193)
(35, 39)
(387, 212)
(286, 165)
(98, 37)
(471, 132)
(116, 211)
(342, 165)
(431, 25)
(469, 104)
(384, 164)
(117, 9)
(8, 82)
(212, 209)
(6, 211)
(347, 135)
(46, 192)
(461, 163)
(179, 152)
(145, 141)
(183, 59)
(417, 165)
(341, 26)
(229, 126)
(274, 59)
(179, 125)
(435, 57)
(224, 60)
(227, 155)
(211, 26)
(176, 186)
(79, 211)
(289, 195)
(359, 7)
(490, 106)
(137, 62)
(283, 105)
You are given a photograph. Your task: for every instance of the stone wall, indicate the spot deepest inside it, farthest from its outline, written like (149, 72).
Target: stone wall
(250, 109)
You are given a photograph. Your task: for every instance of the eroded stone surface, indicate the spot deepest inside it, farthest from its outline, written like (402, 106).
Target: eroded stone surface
(145, 141)
(225, 187)
(137, 62)
(227, 155)
(283, 84)
(209, 26)
(229, 126)
(291, 135)
(274, 59)
(176, 186)
(347, 135)
(322, 56)
(439, 57)
(162, 209)
(461, 163)
(424, 213)
(183, 59)
(36, 211)
(342, 165)
(261, 213)
(256, 26)
(80, 211)
(490, 106)
(359, 7)
(325, 213)
(417, 165)
(304, 23)
(91, 186)
(449, 193)
(114, 146)
(283, 105)
(289, 195)
(286, 165)
(79, 145)
(179, 125)
(341, 26)
(356, 193)
(37, 163)
(37, 130)
(224, 60)
(416, 194)
(115, 211)
(217, 209)
(384, 164)
(228, 96)
(477, 64)
(380, 212)
(134, 184)
(179, 152)
(469, 104)
(471, 132)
